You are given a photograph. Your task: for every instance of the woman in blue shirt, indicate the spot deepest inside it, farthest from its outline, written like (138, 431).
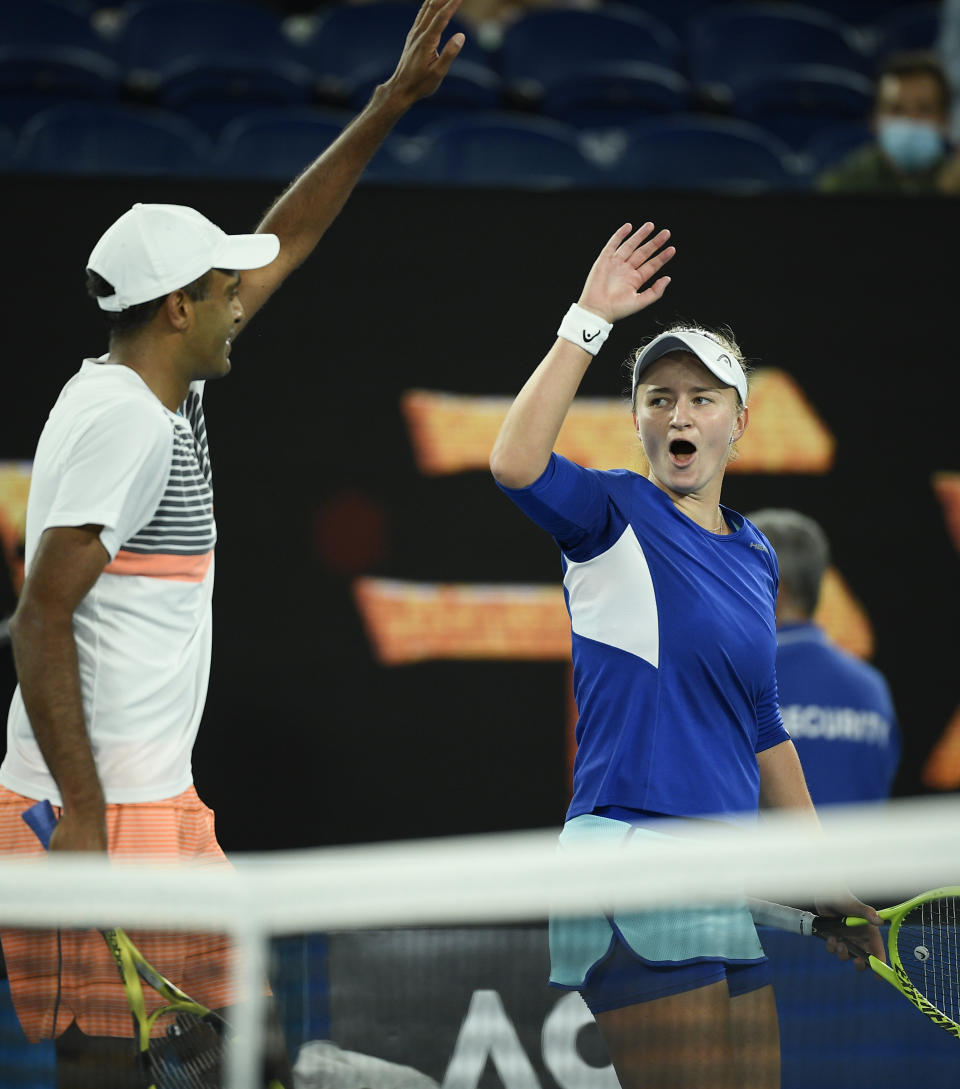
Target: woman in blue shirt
(671, 601)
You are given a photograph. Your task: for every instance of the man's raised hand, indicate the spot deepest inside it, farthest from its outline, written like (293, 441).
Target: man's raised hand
(422, 63)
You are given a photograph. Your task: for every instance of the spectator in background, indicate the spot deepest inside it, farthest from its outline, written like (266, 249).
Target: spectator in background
(910, 152)
(836, 708)
(948, 48)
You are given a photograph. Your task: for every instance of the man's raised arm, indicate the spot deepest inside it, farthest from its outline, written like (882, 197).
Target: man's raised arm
(307, 208)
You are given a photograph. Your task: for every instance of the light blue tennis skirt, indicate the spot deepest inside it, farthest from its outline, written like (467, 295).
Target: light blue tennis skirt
(661, 937)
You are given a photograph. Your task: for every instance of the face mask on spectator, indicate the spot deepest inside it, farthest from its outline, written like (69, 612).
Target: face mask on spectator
(912, 145)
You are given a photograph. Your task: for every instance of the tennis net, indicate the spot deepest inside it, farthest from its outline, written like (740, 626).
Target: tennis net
(416, 965)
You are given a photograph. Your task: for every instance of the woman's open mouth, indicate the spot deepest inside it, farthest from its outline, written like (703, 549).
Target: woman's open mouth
(682, 452)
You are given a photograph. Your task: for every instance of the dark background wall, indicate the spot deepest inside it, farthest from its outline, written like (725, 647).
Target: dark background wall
(306, 739)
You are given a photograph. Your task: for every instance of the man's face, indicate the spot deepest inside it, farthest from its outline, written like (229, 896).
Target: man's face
(215, 321)
(916, 97)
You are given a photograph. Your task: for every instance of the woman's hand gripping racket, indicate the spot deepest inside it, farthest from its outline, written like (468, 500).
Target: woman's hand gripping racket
(923, 945)
(189, 1054)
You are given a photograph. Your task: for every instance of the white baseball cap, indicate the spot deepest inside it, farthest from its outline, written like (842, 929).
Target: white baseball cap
(154, 249)
(717, 359)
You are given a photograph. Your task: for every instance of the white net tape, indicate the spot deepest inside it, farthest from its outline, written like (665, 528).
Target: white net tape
(877, 851)
(884, 854)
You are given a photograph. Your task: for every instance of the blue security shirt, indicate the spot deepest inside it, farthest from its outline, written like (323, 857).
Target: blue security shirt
(674, 644)
(839, 712)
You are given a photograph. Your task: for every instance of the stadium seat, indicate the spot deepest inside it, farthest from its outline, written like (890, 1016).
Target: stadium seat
(234, 77)
(111, 139)
(704, 153)
(856, 13)
(732, 41)
(798, 100)
(36, 77)
(213, 89)
(46, 23)
(672, 13)
(913, 26)
(153, 35)
(276, 143)
(834, 142)
(547, 46)
(354, 45)
(79, 7)
(616, 93)
(468, 87)
(504, 150)
(279, 143)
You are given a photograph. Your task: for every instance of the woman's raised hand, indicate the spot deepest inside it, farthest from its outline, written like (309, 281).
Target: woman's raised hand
(615, 286)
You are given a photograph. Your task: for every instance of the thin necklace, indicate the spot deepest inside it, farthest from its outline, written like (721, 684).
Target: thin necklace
(721, 528)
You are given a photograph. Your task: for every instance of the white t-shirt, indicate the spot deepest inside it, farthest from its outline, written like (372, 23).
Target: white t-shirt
(111, 454)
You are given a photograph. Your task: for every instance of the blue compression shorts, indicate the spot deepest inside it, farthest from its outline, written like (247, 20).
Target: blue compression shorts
(623, 979)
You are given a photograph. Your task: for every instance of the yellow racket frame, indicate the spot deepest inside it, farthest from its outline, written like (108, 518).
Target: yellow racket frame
(894, 972)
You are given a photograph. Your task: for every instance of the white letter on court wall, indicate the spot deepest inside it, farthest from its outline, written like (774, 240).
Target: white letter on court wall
(487, 1032)
(560, 1055)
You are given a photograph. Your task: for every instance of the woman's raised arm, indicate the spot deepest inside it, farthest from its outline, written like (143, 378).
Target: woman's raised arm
(615, 288)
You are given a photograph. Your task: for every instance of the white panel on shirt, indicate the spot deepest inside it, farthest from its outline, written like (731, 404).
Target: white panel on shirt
(612, 599)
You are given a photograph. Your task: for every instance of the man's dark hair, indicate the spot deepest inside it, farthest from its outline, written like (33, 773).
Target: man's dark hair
(124, 322)
(802, 549)
(918, 62)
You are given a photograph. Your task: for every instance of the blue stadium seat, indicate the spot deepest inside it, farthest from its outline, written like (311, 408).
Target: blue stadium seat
(675, 14)
(213, 89)
(834, 142)
(616, 93)
(504, 150)
(704, 153)
(278, 144)
(856, 13)
(35, 77)
(355, 45)
(155, 34)
(234, 77)
(468, 87)
(798, 100)
(111, 139)
(732, 41)
(911, 26)
(45, 23)
(556, 44)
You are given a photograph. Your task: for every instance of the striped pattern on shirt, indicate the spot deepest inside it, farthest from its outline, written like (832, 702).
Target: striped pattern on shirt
(177, 543)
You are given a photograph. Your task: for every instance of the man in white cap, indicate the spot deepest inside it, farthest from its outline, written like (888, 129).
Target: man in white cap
(112, 634)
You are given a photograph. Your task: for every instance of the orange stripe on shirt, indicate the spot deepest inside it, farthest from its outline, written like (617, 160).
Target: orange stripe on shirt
(161, 565)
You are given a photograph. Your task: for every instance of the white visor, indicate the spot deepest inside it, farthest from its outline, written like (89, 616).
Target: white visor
(712, 355)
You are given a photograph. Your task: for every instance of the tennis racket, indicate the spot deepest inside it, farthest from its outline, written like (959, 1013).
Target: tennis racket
(189, 1054)
(923, 945)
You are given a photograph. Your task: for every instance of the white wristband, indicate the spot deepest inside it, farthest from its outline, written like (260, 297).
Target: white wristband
(584, 329)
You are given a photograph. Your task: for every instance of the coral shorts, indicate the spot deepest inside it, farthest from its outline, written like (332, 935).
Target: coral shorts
(58, 977)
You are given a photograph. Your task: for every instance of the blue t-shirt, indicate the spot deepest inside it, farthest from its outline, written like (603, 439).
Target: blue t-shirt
(840, 715)
(674, 645)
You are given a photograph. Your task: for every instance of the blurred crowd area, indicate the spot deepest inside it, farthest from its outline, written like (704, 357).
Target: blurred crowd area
(727, 95)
